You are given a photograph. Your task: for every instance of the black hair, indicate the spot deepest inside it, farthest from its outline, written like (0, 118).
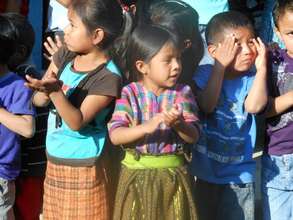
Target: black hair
(105, 14)
(24, 39)
(182, 19)
(8, 35)
(280, 8)
(223, 21)
(145, 42)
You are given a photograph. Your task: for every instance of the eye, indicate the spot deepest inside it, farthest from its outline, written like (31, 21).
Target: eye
(250, 43)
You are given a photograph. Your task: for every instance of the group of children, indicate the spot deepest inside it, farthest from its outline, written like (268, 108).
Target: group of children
(126, 78)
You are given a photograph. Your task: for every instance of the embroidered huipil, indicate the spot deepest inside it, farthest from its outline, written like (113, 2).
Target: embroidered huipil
(138, 105)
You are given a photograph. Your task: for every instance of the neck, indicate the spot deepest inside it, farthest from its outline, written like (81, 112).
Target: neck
(150, 86)
(90, 61)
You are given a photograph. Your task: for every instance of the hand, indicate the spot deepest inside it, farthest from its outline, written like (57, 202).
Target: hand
(226, 51)
(173, 117)
(48, 84)
(152, 125)
(52, 46)
(261, 58)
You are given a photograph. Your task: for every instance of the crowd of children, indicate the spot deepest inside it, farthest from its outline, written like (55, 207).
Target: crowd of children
(133, 75)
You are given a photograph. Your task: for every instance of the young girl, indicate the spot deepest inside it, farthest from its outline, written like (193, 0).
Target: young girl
(153, 121)
(76, 182)
(16, 116)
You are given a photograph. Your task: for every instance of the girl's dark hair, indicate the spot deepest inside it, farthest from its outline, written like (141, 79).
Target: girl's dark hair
(145, 42)
(8, 35)
(105, 14)
(181, 19)
(223, 21)
(280, 8)
(24, 39)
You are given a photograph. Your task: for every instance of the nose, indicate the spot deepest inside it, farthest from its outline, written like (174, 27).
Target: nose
(176, 63)
(246, 49)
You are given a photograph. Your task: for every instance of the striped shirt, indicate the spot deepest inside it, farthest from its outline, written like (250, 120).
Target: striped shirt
(138, 105)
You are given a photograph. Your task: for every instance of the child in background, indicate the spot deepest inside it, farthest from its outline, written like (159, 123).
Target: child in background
(153, 121)
(277, 161)
(76, 179)
(29, 185)
(228, 99)
(16, 116)
(182, 19)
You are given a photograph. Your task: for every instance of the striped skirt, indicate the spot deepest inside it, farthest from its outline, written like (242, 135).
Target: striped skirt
(75, 193)
(154, 194)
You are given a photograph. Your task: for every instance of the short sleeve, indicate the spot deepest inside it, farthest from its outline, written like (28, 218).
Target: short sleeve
(108, 85)
(21, 100)
(202, 75)
(123, 114)
(62, 55)
(188, 104)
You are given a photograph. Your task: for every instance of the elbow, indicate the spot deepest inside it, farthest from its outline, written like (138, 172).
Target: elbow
(29, 133)
(75, 127)
(114, 140)
(256, 108)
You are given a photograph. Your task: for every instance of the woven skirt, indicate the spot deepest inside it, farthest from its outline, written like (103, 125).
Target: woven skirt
(154, 194)
(75, 193)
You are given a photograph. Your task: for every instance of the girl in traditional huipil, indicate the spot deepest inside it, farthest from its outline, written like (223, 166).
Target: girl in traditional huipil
(153, 121)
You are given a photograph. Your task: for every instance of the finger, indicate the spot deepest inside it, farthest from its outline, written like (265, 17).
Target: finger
(47, 56)
(58, 41)
(52, 44)
(49, 49)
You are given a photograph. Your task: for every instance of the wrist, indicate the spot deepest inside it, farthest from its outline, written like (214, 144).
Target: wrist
(219, 67)
(54, 94)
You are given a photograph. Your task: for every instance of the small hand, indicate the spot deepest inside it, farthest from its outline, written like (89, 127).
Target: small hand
(52, 46)
(173, 117)
(226, 51)
(48, 84)
(152, 125)
(261, 59)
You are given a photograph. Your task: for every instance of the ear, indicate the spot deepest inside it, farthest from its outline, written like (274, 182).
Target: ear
(212, 50)
(98, 36)
(141, 66)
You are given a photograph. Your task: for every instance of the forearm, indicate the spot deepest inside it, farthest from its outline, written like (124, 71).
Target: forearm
(24, 126)
(127, 135)
(71, 116)
(208, 97)
(187, 131)
(279, 104)
(258, 96)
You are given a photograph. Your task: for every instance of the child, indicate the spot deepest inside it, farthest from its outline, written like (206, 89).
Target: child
(180, 18)
(29, 184)
(228, 99)
(152, 121)
(16, 117)
(277, 162)
(76, 180)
